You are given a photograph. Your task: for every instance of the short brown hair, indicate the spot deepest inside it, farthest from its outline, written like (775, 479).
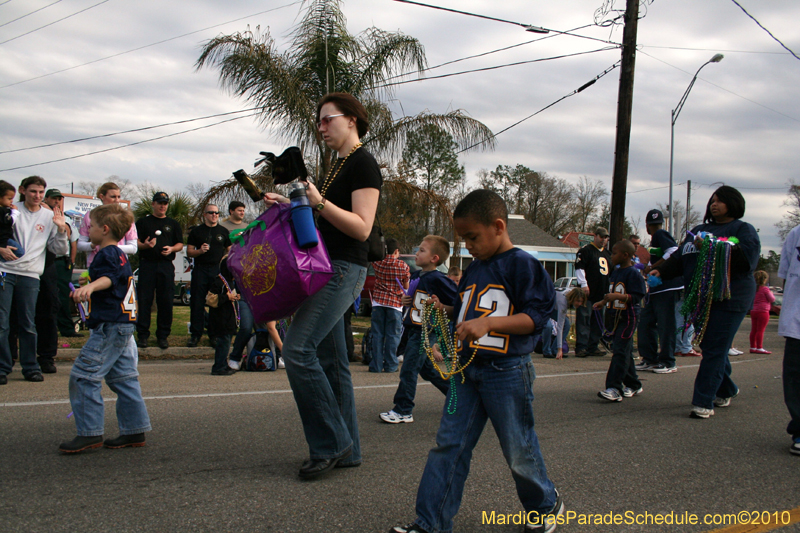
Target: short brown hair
(439, 246)
(454, 271)
(761, 277)
(574, 295)
(118, 219)
(31, 180)
(107, 186)
(350, 107)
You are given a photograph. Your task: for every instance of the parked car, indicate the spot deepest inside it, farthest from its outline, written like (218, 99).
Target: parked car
(565, 284)
(369, 284)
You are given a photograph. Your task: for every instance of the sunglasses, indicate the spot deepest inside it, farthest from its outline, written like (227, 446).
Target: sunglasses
(212, 212)
(327, 119)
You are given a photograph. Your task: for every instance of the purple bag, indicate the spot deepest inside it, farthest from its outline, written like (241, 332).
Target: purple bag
(273, 274)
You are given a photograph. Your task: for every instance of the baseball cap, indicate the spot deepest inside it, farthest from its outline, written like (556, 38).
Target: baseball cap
(53, 193)
(654, 216)
(161, 197)
(602, 232)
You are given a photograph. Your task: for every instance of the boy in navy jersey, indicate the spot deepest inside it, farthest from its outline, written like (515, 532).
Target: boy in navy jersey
(110, 352)
(626, 290)
(505, 296)
(433, 251)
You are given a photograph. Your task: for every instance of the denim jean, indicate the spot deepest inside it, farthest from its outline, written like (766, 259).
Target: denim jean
(415, 364)
(246, 323)
(501, 391)
(551, 343)
(221, 349)
(109, 353)
(657, 326)
(791, 385)
(714, 375)
(315, 355)
(683, 338)
(622, 370)
(387, 327)
(587, 328)
(21, 292)
(19, 252)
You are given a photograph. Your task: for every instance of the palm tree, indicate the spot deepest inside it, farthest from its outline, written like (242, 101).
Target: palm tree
(323, 58)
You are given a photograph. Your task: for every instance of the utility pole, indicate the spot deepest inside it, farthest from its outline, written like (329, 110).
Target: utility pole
(619, 182)
(688, 207)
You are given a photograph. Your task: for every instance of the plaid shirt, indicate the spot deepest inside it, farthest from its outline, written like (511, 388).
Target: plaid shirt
(387, 292)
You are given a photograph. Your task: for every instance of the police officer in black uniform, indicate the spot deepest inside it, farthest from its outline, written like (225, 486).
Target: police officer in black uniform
(592, 269)
(207, 245)
(159, 238)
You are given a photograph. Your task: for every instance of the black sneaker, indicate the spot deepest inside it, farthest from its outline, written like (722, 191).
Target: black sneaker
(142, 342)
(3, 379)
(606, 342)
(81, 444)
(546, 523)
(410, 528)
(34, 376)
(228, 371)
(163, 344)
(48, 367)
(581, 353)
(192, 342)
(124, 441)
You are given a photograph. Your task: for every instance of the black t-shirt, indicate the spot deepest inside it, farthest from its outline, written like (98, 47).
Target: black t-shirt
(662, 239)
(596, 265)
(360, 171)
(171, 234)
(216, 237)
(118, 302)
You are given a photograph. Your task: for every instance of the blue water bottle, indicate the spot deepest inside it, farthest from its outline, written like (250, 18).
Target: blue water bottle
(302, 217)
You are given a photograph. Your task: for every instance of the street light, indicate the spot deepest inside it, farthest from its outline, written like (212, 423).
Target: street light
(675, 112)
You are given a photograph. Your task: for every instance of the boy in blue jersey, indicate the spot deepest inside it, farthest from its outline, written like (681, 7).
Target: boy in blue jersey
(433, 251)
(110, 352)
(505, 296)
(626, 291)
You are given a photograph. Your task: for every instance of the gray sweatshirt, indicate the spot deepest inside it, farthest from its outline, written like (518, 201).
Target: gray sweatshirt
(35, 231)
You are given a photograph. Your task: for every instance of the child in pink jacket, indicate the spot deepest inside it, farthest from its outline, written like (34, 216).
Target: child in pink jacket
(760, 313)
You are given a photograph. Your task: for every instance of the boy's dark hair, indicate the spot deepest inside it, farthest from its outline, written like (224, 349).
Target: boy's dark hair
(626, 246)
(454, 271)
(31, 180)
(729, 196)
(633, 237)
(484, 206)
(117, 218)
(234, 205)
(5, 187)
(439, 246)
(392, 245)
(347, 104)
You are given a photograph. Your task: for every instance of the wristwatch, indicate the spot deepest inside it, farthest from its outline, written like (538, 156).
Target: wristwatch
(320, 206)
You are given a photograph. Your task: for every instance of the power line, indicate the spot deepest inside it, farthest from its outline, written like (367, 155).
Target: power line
(54, 22)
(31, 13)
(4, 3)
(711, 50)
(146, 46)
(130, 131)
(126, 145)
(765, 29)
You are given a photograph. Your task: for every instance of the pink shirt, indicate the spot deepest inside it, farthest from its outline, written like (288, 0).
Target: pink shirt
(130, 239)
(764, 298)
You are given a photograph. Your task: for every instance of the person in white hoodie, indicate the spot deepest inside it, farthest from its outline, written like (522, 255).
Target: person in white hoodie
(36, 229)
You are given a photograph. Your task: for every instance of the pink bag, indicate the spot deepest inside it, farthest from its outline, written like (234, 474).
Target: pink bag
(273, 274)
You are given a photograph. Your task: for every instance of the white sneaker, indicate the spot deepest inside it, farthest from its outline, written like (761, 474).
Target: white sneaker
(281, 364)
(610, 394)
(701, 412)
(630, 393)
(661, 368)
(234, 364)
(399, 358)
(396, 418)
(724, 402)
(734, 351)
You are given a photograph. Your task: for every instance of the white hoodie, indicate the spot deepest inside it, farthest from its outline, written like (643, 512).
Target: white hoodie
(35, 231)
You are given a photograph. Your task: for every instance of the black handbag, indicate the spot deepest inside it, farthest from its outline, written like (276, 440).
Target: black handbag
(376, 244)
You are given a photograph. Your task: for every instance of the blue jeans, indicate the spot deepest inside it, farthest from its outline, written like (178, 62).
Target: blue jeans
(415, 364)
(387, 327)
(714, 375)
(791, 385)
(19, 252)
(109, 353)
(22, 292)
(221, 349)
(501, 391)
(683, 339)
(657, 326)
(551, 343)
(246, 323)
(315, 354)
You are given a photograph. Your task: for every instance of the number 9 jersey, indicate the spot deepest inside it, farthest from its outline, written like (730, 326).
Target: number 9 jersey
(117, 303)
(508, 283)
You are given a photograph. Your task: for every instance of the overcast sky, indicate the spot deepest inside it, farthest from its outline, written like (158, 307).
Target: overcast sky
(740, 126)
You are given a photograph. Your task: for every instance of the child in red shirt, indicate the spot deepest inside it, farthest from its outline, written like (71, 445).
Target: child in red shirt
(759, 315)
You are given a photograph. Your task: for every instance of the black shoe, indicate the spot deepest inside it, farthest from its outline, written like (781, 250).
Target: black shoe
(34, 376)
(3, 379)
(124, 441)
(48, 367)
(228, 371)
(80, 444)
(192, 342)
(316, 467)
(163, 344)
(142, 342)
(581, 353)
(606, 342)
(410, 528)
(71, 334)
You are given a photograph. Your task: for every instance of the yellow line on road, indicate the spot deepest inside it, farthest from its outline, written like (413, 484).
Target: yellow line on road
(794, 518)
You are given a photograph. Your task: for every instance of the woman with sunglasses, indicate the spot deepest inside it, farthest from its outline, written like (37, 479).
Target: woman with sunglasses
(314, 349)
(713, 386)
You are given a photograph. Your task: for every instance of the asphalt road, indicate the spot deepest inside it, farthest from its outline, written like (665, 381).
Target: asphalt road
(224, 454)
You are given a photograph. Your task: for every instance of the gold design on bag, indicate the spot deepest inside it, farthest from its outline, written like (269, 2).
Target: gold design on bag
(259, 269)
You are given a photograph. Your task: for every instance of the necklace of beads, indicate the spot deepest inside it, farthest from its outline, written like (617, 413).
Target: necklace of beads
(329, 179)
(711, 282)
(436, 320)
